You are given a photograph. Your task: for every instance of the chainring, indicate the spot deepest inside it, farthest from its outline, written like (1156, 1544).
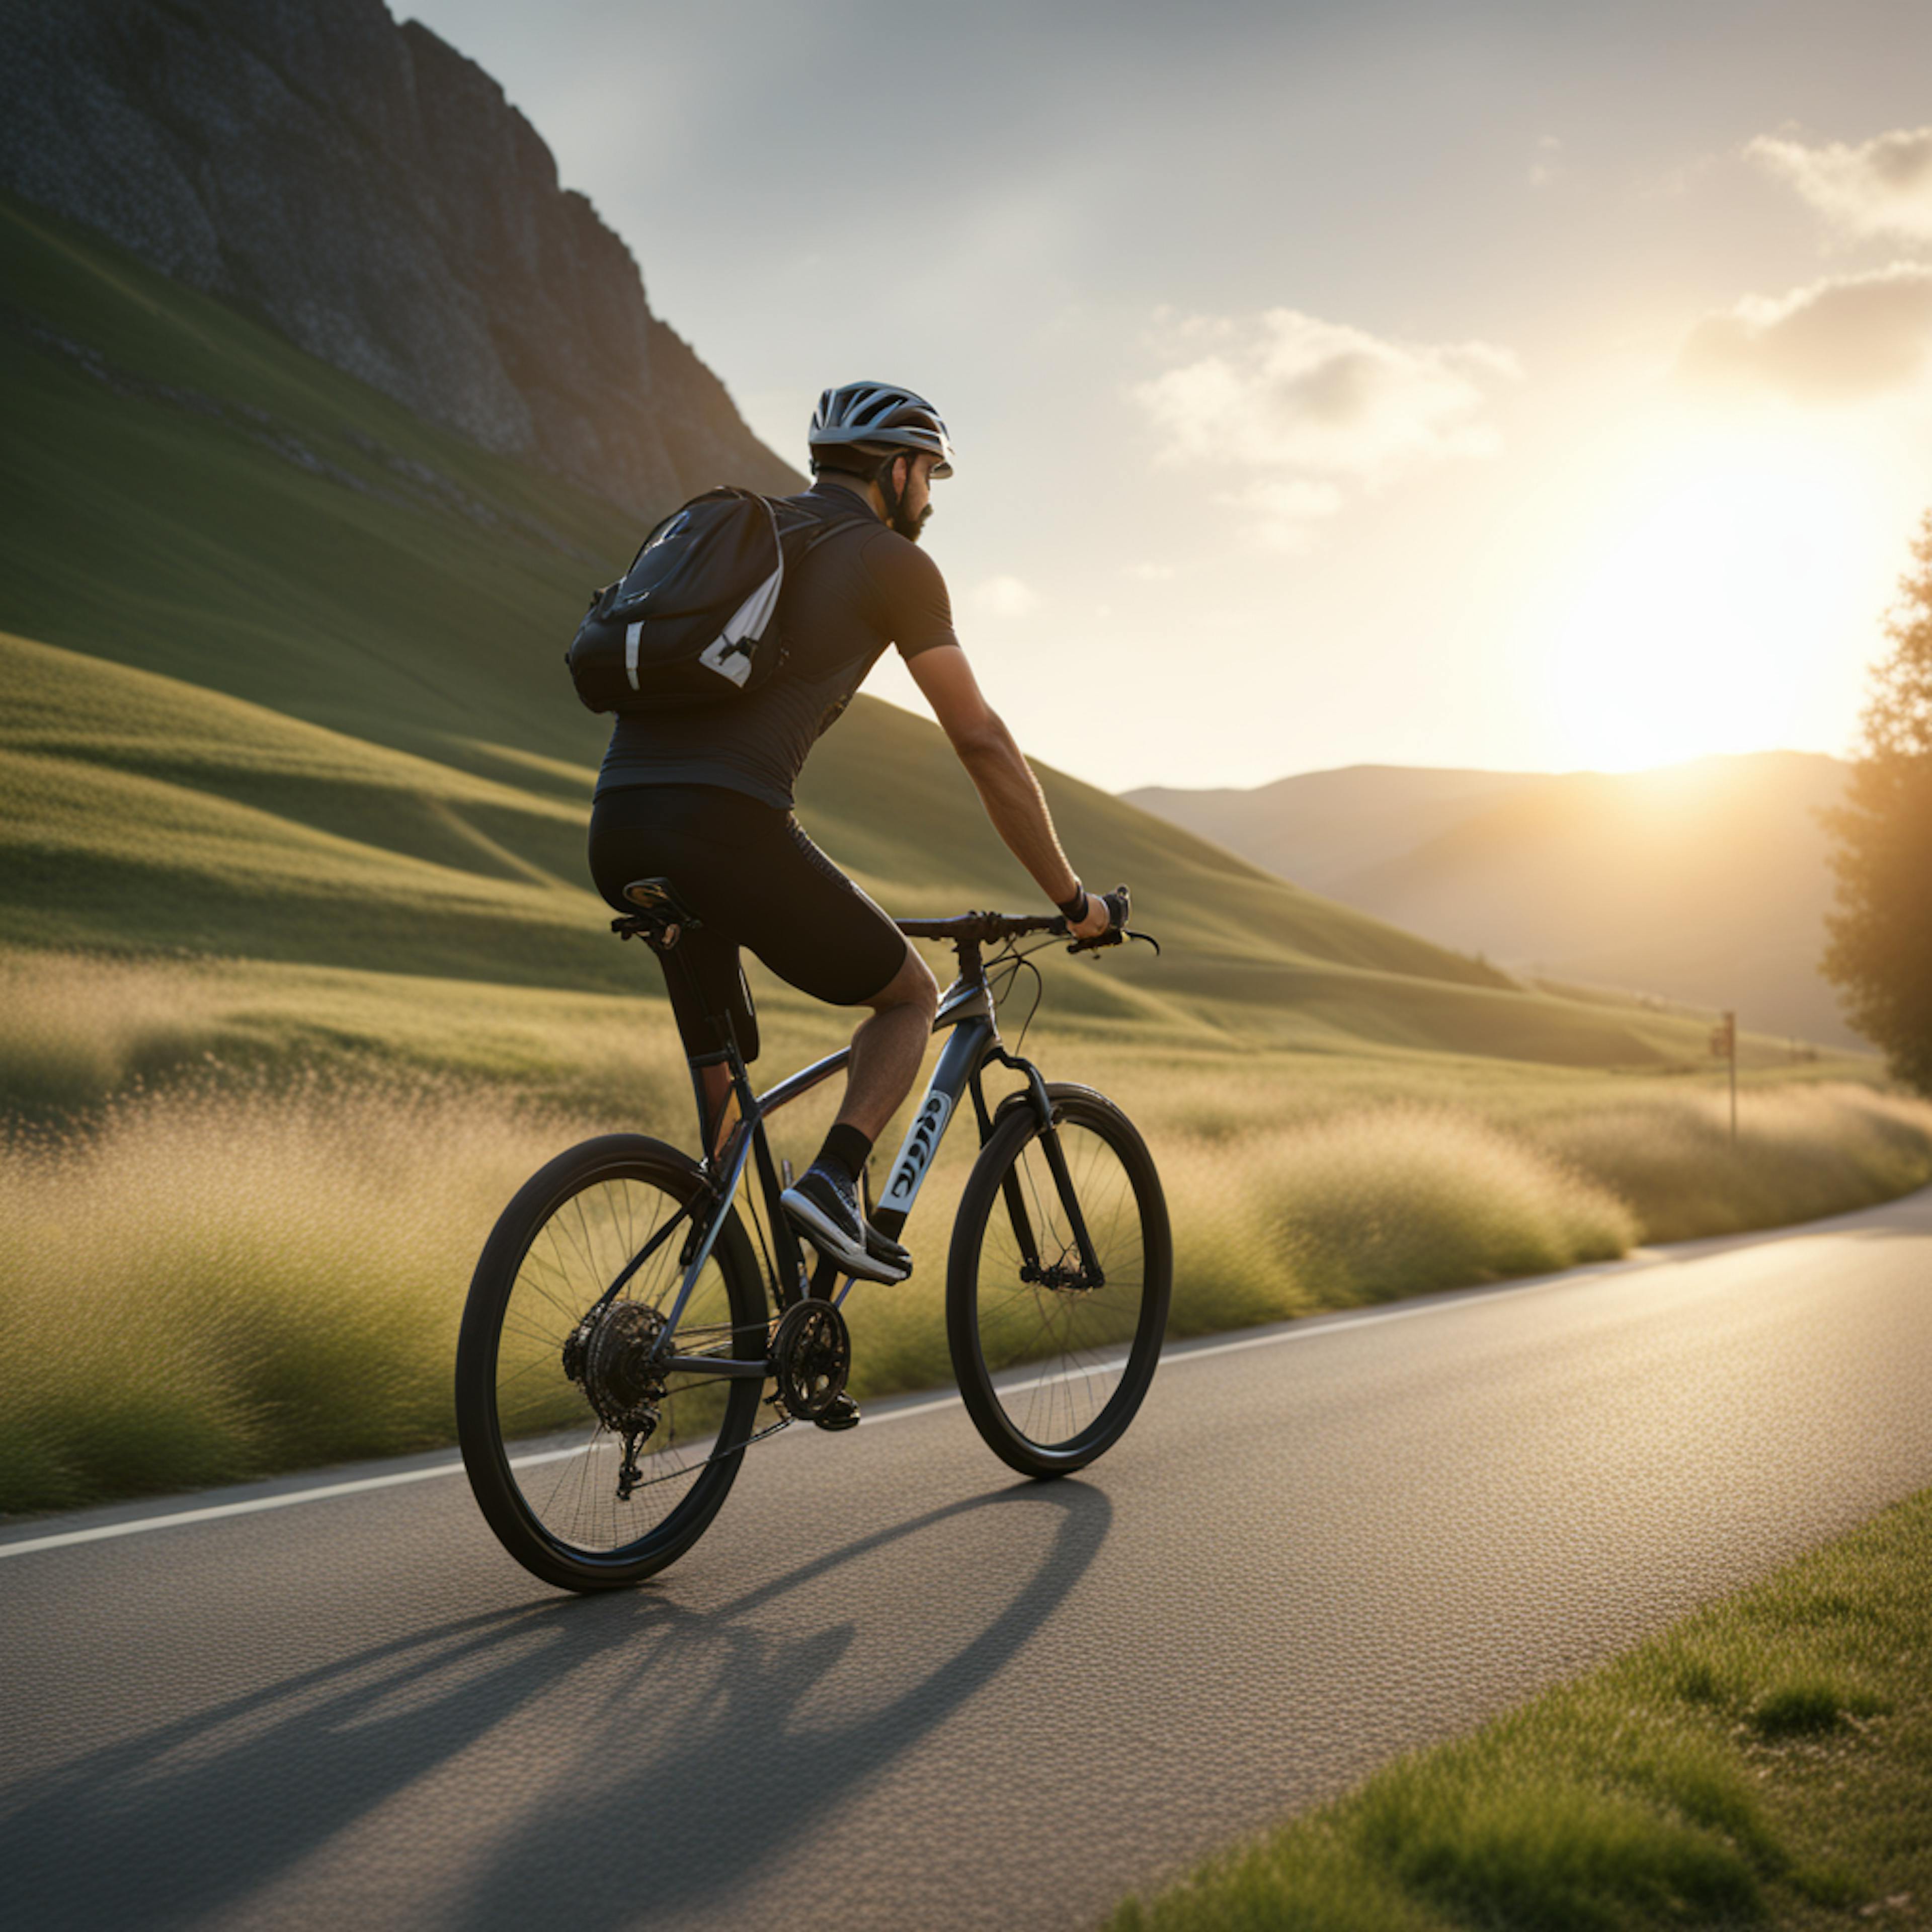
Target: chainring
(811, 1357)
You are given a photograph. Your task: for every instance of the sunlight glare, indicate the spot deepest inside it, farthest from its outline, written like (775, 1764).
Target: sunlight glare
(1712, 617)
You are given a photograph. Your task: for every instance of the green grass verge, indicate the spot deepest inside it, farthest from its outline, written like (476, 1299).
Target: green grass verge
(1768, 1761)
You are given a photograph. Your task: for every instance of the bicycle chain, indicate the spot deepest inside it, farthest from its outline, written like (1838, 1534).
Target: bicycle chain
(690, 1468)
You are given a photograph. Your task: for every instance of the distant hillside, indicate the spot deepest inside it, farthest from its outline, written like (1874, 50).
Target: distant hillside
(1705, 883)
(368, 191)
(1319, 827)
(286, 684)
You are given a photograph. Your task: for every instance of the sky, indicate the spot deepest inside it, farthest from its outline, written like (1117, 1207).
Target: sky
(1529, 386)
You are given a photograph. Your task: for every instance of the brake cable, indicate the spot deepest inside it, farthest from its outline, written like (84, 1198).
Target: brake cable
(1013, 958)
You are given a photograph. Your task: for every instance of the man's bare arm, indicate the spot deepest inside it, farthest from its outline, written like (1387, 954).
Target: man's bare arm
(1002, 776)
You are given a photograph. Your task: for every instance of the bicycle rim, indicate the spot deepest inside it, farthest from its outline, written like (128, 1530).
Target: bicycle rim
(547, 1459)
(1052, 1363)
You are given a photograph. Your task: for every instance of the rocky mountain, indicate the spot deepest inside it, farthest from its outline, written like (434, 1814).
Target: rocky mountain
(1705, 883)
(370, 192)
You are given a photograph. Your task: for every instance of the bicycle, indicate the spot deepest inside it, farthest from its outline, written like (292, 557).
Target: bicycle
(610, 1370)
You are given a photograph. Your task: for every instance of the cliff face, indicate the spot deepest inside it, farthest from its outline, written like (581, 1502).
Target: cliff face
(370, 193)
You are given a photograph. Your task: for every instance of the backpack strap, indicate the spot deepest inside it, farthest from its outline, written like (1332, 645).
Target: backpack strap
(827, 525)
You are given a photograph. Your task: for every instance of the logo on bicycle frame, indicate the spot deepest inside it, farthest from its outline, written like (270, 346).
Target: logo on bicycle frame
(916, 1155)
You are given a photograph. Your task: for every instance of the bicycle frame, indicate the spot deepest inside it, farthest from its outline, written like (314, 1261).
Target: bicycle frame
(967, 1010)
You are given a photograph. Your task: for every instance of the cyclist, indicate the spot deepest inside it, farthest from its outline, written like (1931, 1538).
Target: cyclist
(704, 799)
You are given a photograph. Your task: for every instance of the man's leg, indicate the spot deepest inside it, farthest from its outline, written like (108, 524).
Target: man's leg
(887, 1048)
(817, 930)
(886, 1051)
(706, 979)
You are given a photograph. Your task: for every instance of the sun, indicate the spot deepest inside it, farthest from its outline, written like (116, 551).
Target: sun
(1713, 601)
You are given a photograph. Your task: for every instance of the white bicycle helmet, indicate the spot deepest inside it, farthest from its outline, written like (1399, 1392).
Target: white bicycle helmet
(877, 417)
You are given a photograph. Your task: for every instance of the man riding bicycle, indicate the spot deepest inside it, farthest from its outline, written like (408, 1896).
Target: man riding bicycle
(704, 799)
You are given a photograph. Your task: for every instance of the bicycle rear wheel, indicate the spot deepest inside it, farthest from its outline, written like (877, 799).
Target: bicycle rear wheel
(1054, 1349)
(593, 1472)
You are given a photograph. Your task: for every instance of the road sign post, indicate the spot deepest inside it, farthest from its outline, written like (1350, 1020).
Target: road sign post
(1724, 1043)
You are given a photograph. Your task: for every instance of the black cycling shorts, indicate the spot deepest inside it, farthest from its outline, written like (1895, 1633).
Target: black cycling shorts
(747, 871)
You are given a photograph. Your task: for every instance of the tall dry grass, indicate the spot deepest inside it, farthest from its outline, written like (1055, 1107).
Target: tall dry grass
(208, 1283)
(1361, 1199)
(1801, 1151)
(213, 1285)
(1364, 1206)
(81, 1033)
(74, 1029)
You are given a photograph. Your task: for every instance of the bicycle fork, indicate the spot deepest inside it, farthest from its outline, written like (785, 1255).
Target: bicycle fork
(1093, 1275)
(971, 1052)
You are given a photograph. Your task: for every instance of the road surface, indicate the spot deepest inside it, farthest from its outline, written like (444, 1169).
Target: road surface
(895, 1687)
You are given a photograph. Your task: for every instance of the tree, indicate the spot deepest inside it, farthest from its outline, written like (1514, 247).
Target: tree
(1880, 953)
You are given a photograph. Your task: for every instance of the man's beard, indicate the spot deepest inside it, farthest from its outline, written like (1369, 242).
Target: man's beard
(910, 526)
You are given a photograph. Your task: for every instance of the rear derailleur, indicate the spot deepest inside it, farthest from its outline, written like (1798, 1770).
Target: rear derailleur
(608, 1355)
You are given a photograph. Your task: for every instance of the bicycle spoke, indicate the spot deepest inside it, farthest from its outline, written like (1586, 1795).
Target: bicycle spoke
(578, 1253)
(1062, 1345)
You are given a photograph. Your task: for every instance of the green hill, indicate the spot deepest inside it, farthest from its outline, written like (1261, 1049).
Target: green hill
(285, 685)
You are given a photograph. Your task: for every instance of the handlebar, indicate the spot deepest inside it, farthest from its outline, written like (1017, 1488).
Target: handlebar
(986, 928)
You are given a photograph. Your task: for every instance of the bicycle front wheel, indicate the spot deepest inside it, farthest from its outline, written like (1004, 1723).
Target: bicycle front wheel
(593, 1470)
(1057, 1284)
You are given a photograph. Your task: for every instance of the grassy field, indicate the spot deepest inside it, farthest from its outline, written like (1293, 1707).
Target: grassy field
(272, 1249)
(1768, 1761)
(300, 973)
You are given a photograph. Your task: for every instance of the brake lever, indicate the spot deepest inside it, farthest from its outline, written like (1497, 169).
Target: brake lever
(1116, 935)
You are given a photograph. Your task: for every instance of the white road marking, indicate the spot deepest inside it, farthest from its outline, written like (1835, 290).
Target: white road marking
(321, 1493)
(1304, 1330)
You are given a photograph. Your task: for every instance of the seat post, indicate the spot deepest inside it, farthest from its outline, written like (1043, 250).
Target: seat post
(661, 922)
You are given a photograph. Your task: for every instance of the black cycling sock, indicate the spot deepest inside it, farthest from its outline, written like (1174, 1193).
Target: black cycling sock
(845, 1148)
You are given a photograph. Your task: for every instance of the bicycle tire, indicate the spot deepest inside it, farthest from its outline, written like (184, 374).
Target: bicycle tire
(518, 1410)
(1107, 1339)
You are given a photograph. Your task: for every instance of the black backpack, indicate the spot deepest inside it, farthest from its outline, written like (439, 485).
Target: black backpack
(691, 622)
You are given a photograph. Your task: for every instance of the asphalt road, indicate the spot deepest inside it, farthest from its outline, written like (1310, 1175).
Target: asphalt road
(893, 1688)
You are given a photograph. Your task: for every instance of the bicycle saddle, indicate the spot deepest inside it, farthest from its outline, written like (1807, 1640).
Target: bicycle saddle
(659, 895)
(662, 917)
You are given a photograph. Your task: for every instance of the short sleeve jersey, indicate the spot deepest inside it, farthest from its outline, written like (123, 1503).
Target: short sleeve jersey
(859, 592)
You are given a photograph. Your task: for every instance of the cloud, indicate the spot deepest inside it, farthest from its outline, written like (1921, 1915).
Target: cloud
(1841, 340)
(1003, 597)
(1881, 187)
(1151, 573)
(1318, 409)
(1283, 513)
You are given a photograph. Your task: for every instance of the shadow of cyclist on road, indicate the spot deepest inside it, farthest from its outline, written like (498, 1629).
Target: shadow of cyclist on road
(623, 1753)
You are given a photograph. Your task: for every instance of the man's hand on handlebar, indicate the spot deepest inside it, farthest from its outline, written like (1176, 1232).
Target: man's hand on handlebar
(1100, 917)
